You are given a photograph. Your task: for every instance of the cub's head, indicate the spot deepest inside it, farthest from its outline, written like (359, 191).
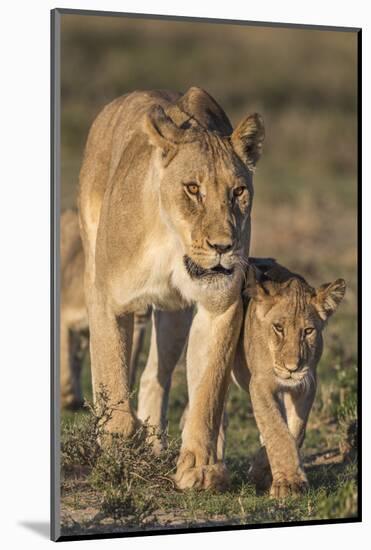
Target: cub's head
(204, 172)
(287, 317)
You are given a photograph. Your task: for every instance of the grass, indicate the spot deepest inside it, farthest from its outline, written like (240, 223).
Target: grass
(304, 214)
(126, 487)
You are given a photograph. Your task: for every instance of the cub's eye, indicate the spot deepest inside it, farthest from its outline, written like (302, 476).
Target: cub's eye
(192, 188)
(308, 331)
(278, 328)
(238, 191)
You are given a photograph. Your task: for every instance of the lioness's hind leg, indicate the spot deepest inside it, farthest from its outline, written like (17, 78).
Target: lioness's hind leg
(169, 335)
(141, 321)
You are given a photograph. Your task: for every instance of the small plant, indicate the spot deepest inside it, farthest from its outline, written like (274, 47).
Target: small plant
(80, 440)
(130, 478)
(125, 474)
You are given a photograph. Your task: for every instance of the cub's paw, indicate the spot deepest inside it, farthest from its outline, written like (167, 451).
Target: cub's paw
(212, 477)
(284, 486)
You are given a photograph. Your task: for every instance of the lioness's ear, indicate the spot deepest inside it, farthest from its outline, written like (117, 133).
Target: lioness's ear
(247, 140)
(164, 133)
(161, 129)
(205, 110)
(328, 297)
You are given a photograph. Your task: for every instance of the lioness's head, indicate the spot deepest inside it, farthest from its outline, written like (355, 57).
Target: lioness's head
(204, 169)
(287, 317)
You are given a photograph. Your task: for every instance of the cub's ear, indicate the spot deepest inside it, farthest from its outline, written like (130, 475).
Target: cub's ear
(247, 140)
(254, 288)
(328, 297)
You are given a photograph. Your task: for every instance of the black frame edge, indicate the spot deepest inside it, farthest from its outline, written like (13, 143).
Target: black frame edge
(55, 527)
(195, 19)
(209, 529)
(359, 265)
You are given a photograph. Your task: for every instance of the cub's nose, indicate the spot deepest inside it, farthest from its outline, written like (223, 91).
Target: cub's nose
(221, 246)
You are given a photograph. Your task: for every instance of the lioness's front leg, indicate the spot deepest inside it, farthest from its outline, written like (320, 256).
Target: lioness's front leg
(211, 348)
(110, 349)
(281, 447)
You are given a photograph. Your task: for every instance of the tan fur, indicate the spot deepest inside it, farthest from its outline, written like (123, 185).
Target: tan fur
(74, 322)
(278, 352)
(149, 240)
(73, 317)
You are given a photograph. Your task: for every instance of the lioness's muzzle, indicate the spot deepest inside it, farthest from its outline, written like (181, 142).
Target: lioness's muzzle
(195, 271)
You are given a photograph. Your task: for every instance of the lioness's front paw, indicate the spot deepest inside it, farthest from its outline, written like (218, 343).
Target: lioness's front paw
(284, 486)
(121, 424)
(189, 476)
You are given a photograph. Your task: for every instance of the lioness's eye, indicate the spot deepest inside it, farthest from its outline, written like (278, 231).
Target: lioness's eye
(192, 188)
(238, 191)
(308, 331)
(278, 328)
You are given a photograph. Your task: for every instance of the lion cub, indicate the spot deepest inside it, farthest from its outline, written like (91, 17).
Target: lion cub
(279, 349)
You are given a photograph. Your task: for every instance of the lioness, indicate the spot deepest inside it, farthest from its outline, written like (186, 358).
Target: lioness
(276, 359)
(164, 203)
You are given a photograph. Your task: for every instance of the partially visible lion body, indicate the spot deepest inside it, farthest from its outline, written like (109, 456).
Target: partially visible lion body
(165, 204)
(74, 318)
(276, 359)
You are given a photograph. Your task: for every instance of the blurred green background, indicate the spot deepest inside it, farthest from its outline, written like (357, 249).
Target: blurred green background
(304, 83)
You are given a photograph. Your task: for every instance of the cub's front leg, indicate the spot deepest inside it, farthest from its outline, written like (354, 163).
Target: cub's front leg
(211, 348)
(288, 476)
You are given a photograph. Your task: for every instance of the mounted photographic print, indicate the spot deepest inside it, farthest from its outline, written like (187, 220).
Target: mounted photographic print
(204, 195)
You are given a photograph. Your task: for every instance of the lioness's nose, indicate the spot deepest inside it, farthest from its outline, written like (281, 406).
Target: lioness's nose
(292, 367)
(221, 246)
